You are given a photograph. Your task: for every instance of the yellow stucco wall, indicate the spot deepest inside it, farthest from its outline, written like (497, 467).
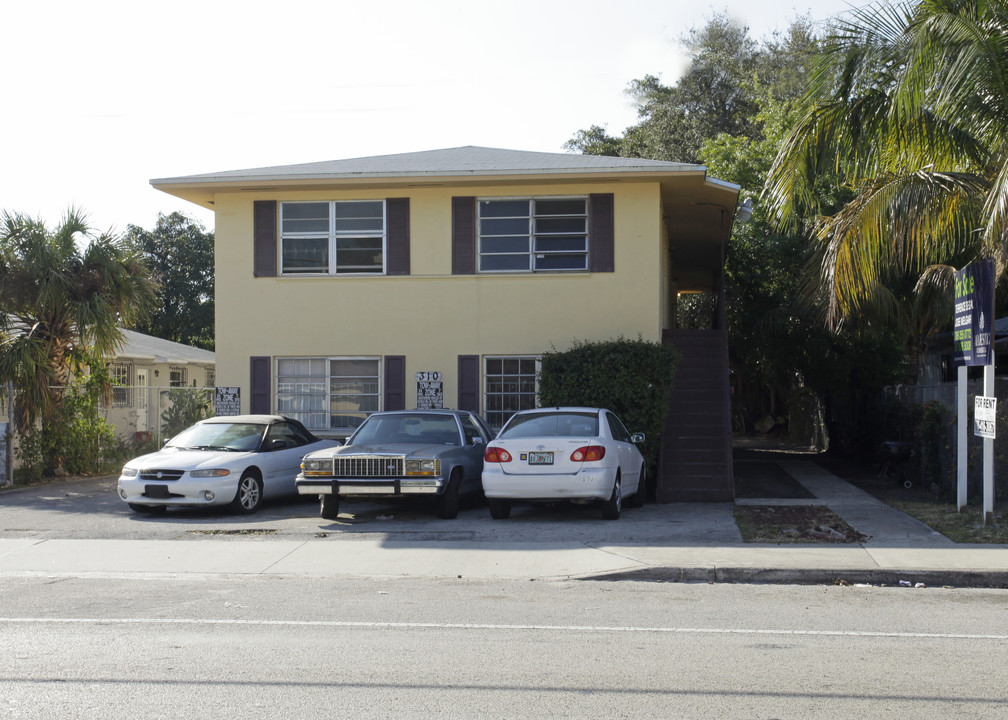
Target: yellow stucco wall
(432, 316)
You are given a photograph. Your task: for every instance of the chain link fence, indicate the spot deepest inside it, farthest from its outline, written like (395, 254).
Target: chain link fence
(154, 413)
(920, 425)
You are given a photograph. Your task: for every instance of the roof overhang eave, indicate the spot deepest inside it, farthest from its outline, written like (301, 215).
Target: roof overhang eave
(202, 188)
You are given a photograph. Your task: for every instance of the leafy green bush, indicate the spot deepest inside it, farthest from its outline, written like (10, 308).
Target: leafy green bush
(76, 440)
(630, 377)
(186, 406)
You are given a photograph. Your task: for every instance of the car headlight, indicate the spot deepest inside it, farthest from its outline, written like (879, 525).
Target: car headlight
(317, 466)
(215, 472)
(423, 467)
(129, 472)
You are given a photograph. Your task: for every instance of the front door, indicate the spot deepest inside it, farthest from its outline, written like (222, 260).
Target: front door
(141, 395)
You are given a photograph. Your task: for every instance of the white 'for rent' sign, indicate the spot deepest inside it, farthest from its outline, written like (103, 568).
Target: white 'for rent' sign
(984, 416)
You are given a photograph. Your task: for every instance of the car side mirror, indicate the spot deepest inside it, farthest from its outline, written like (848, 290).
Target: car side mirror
(276, 445)
(637, 438)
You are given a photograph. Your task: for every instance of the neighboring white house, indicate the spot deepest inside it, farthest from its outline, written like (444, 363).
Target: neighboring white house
(146, 370)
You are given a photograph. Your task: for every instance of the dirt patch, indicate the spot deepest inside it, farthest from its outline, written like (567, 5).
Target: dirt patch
(794, 524)
(246, 532)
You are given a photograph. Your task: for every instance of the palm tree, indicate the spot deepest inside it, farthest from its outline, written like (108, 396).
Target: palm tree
(907, 119)
(63, 296)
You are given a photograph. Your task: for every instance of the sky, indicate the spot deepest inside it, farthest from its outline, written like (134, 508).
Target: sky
(100, 97)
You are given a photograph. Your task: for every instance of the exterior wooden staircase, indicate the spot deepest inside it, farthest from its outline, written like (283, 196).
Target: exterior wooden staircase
(695, 462)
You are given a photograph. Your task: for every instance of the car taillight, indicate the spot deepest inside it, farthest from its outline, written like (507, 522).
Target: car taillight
(588, 453)
(496, 455)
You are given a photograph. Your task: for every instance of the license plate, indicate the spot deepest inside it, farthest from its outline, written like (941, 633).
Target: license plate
(156, 491)
(540, 458)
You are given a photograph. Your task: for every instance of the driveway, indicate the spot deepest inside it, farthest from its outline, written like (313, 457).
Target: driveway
(90, 509)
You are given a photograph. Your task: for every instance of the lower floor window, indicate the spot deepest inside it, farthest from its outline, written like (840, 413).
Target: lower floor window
(511, 386)
(122, 391)
(332, 395)
(177, 377)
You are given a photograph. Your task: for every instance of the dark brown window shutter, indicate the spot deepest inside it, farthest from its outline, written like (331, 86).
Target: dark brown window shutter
(264, 238)
(259, 385)
(601, 238)
(395, 382)
(463, 236)
(468, 383)
(398, 260)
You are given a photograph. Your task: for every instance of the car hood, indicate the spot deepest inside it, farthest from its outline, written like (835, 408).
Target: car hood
(188, 459)
(409, 449)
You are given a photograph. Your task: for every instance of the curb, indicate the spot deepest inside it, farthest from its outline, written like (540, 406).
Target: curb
(816, 576)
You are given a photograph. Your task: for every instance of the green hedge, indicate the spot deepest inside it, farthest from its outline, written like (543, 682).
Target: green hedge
(630, 377)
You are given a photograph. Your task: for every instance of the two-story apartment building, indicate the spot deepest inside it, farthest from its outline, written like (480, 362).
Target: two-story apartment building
(438, 278)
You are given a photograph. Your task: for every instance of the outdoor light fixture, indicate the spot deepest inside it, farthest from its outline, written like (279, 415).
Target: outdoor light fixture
(744, 211)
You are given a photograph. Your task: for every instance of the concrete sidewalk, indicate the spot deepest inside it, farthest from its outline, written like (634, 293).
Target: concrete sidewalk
(692, 543)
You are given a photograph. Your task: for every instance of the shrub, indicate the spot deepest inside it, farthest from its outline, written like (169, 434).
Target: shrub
(186, 406)
(76, 440)
(630, 377)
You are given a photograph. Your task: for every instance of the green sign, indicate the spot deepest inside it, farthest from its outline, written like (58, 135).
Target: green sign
(974, 314)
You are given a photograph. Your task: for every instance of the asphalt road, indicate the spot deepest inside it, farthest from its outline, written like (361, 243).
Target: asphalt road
(155, 645)
(226, 647)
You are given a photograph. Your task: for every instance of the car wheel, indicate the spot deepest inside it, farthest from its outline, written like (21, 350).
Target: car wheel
(611, 508)
(638, 498)
(147, 509)
(329, 506)
(448, 502)
(499, 509)
(248, 498)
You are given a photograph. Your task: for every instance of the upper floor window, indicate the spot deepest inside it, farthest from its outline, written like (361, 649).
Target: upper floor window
(533, 234)
(332, 238)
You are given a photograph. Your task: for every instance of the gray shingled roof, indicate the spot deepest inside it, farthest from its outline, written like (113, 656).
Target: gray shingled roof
(469, 160)
(138, 345)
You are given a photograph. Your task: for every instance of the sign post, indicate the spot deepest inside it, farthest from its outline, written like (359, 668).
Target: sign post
(974, 346)
(5, 463)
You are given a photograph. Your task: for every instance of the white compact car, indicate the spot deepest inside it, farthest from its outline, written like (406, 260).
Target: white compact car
(578, 454)
(235, 461)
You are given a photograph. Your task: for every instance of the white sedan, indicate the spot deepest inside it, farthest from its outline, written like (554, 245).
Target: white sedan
(578, 454)
(236, 461)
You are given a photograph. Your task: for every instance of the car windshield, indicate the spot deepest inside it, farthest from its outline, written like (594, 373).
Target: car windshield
(239, 437)
(551, 424)
(421, 429)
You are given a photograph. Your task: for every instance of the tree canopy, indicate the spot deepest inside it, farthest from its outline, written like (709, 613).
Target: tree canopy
(179, 253)
(907, 113)
(730, 111)
(64, 295)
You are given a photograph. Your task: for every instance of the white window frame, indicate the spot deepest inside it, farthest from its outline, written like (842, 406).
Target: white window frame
(534, 252)
(327, 396)
(333, 237)
(491, 415)
(122, 392)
